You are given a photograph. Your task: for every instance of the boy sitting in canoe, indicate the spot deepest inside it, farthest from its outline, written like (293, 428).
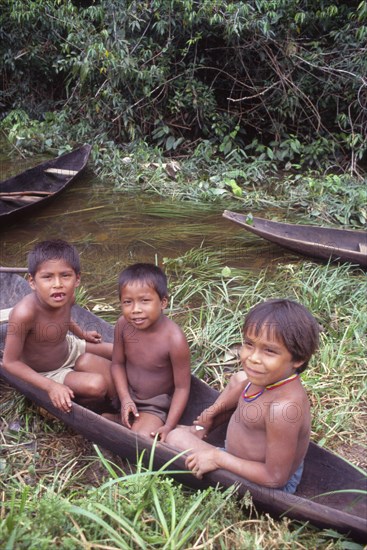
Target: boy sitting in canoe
(151, 357)
(269, 431)
(38, 348)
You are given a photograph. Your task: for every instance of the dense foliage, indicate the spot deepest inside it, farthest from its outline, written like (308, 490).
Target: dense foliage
(282, 80)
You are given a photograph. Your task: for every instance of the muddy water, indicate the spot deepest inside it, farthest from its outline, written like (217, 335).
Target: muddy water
(113, 229)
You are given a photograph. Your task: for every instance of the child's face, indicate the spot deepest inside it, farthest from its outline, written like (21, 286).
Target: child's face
(265, 359)
(140, 304)
(54, 283)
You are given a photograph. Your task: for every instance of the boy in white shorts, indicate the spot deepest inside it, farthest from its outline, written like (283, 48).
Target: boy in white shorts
(39, 348)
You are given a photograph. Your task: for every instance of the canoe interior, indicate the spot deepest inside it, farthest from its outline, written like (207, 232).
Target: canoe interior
(324, 472)
(38, 179)
(315, 241)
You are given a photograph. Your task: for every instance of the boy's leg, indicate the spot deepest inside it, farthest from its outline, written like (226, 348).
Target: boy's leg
(184, 439)
(146, 423)
(88, 363)
(104, 349)
(87, 384)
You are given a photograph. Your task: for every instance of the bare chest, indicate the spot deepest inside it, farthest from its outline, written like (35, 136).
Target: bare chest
(49, 329)
(252, 416)
(147, 354)
(147, 350)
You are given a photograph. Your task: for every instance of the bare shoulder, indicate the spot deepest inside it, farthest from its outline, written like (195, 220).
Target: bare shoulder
(173, 331)
(239, 378)
(289, 404)
(24, 310)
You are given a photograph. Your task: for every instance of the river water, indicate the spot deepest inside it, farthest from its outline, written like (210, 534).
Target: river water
(112, 229)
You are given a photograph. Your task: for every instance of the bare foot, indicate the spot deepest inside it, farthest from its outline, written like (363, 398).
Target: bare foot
(112, 417)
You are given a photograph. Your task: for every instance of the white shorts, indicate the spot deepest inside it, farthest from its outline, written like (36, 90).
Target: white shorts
(76, 348)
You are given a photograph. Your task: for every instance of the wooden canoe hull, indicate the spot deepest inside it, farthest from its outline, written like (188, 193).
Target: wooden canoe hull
(49, 178)
(324, 471)
(317, 242)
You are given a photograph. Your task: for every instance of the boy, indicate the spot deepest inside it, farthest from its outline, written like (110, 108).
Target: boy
(269, 432)
(38, 348)
(151, 357)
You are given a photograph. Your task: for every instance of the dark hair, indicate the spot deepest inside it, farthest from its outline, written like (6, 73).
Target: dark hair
(290, 322)
(53, 250)
(149, 274)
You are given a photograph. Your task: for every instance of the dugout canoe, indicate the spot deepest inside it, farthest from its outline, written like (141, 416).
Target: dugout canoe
(324, 243)
(21, 195)
(330, 494)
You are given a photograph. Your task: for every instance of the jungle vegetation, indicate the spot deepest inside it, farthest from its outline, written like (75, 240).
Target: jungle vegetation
(281, 82)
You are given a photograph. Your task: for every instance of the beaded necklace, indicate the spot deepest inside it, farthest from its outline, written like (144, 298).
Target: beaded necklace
(249, 398)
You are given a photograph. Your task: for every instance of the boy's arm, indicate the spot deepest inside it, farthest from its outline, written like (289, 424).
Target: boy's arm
(89, 335)
(223, 407)
(118, 372)
(275, 471)
(20, 324)
(180, 361)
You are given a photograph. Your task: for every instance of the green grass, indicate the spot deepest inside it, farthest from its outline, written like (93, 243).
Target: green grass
(141, 509)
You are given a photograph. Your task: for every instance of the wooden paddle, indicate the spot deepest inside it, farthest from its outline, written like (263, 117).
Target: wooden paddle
(21, 193)
(61, 171)
(24, 196)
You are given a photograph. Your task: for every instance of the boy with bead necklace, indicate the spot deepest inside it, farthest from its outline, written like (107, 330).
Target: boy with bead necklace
(269, 431)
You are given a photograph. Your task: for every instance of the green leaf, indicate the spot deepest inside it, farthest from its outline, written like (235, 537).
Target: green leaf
(236, 189)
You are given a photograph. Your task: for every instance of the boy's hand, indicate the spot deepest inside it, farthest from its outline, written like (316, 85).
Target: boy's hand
(128, 408)
(202, 425)
(198, 430)
(162, 432)
(92, 336)
(61, 396)
(202, 462)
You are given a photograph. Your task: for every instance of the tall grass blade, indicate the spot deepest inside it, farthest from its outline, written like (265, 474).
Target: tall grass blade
(122, 523)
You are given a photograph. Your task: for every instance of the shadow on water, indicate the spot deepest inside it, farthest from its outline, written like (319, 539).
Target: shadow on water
(113, 229)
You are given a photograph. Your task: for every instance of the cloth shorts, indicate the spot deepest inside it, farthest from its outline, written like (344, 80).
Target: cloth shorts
(76, 348)
(294, 480)
(158, 405)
